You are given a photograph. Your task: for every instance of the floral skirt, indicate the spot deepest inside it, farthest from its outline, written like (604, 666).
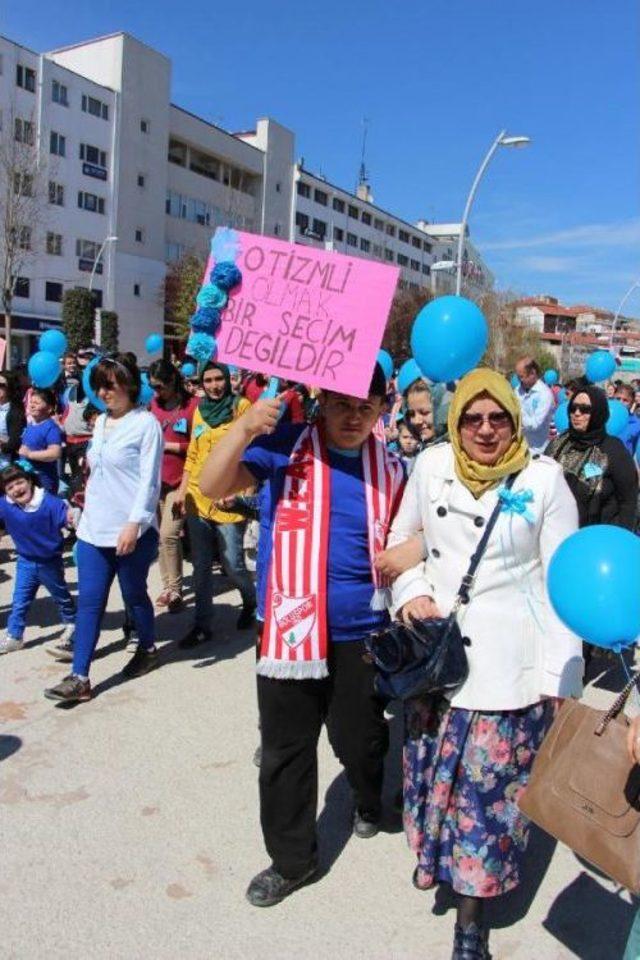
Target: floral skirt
(463, 774)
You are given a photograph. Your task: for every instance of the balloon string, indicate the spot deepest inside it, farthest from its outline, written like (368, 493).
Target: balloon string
(528, 594)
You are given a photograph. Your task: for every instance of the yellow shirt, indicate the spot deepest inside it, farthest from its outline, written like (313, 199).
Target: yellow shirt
(203, 440)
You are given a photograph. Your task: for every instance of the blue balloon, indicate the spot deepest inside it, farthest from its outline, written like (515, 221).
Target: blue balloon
(44, 369)
(53, 341)
(146, 394)
(550, 377)
(188, 369)
(90, 393)
(514, 380)
(154, 343)
(600, 365)
(385, 360)
(561, 417)
(409, 372)
(592, 583)
(561, 395)
(618, 418)
(448, 338)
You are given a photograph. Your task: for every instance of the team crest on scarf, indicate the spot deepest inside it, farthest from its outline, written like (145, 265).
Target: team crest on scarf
(295, 617)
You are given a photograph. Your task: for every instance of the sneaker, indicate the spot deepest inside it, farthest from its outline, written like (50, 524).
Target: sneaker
(257, 757)
(131, 645)
(246, 618)
(62, 651)
(364, 825)
(9, 644)
(71, 690)
(141, 662)
(269, 887)
(195, 637)
(472, 943)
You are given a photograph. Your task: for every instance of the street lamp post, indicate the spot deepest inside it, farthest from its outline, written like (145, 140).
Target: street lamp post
(502, 140)
(97, 332)
(634, 286)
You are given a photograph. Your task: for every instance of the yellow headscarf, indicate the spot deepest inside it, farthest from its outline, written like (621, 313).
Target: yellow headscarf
(476, 476)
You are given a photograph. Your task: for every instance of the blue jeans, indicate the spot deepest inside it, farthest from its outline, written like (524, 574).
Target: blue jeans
(97, 568)
(29, 576)
(230, 543)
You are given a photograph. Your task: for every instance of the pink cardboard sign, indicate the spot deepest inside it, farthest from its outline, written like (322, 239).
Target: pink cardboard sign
(307, 315)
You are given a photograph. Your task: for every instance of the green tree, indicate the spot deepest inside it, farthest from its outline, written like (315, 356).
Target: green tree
(109, 331)
(78, 317)
(181, 285)
(404, 307)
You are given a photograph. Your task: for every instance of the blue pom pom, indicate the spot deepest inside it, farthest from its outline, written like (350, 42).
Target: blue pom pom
(206, 320)
(225, 275)
(225, 245)
(201, 347)
(212, 296)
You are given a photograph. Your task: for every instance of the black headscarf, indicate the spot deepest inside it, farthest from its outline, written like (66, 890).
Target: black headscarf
(595, 432)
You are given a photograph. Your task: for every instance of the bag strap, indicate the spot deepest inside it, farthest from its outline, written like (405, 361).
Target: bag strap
(617, 705)
(467, 581)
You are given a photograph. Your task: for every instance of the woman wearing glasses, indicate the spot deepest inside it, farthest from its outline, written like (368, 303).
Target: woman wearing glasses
(117, 535)
(467, 758)
(599, 470)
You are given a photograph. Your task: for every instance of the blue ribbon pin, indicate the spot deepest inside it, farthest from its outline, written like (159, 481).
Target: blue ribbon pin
(517, 502)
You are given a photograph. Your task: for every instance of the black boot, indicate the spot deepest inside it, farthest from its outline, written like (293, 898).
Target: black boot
(470, 943)
(270, 887)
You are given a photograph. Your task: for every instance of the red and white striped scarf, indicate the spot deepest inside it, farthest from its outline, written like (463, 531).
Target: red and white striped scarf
(295, 636)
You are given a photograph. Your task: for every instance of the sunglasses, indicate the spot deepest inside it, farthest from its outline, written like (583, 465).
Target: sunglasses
(3, 383)
(496, 419)
(580, 408)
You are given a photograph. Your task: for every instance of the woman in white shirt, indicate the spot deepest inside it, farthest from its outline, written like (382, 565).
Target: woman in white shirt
(117, 535)
(467, 759)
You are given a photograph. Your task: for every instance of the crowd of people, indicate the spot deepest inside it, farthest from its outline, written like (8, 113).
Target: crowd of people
(365, 509)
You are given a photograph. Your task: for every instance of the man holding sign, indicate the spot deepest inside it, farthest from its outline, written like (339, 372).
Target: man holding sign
(332, 491)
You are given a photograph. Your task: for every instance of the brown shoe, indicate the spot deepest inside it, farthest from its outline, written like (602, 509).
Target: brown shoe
(71, 690)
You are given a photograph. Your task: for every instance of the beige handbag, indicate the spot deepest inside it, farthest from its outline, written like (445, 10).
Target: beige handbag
(585, 792)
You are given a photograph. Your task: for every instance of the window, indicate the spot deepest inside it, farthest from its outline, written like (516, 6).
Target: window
(93, 155)
(403, 236)
(144, 128)
(53, 291)
(304, 190)
(338, 234)
(57, 144)
(24, 238)
(426, 269)
(95, 107)
(59, 93)
(319, 228)
(302, 221)
(26, 78)
(278, 187)
(352, 240)
(353, 212)
(338, 205)
(366, 218)
(377, 251)
(276, 229)
(426, 247)
(378, 224)
(388, 255)
(141, 179)
(96, 296)
(402, 260)
(23, 131)
(365, 246)
(56, 193)
(174, 251)
(91, 202)
(415, 241)
(320, 197)
(391, 230)
(54, 244)
(22, 185)
(88, 250)
(415, 265)
(136, 289)
(22, 287)
(139, 235)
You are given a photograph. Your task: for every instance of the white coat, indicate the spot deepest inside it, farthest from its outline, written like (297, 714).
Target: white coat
(520, 651)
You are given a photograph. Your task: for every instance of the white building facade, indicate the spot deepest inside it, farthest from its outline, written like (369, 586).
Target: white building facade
(121, 166)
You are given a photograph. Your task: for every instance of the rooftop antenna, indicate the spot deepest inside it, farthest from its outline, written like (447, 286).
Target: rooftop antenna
(363, 176)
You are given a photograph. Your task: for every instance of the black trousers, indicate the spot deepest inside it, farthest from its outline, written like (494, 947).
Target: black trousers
(291, 716)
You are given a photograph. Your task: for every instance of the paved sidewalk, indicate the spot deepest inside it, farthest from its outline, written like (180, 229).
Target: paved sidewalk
(129, 827)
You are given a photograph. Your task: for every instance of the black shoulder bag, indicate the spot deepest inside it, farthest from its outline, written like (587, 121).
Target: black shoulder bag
(427, 657)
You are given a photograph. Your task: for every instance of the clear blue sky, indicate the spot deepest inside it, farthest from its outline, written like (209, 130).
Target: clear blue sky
(438, 79)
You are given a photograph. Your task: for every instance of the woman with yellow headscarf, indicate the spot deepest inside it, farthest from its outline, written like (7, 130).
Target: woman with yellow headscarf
(468, 758)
